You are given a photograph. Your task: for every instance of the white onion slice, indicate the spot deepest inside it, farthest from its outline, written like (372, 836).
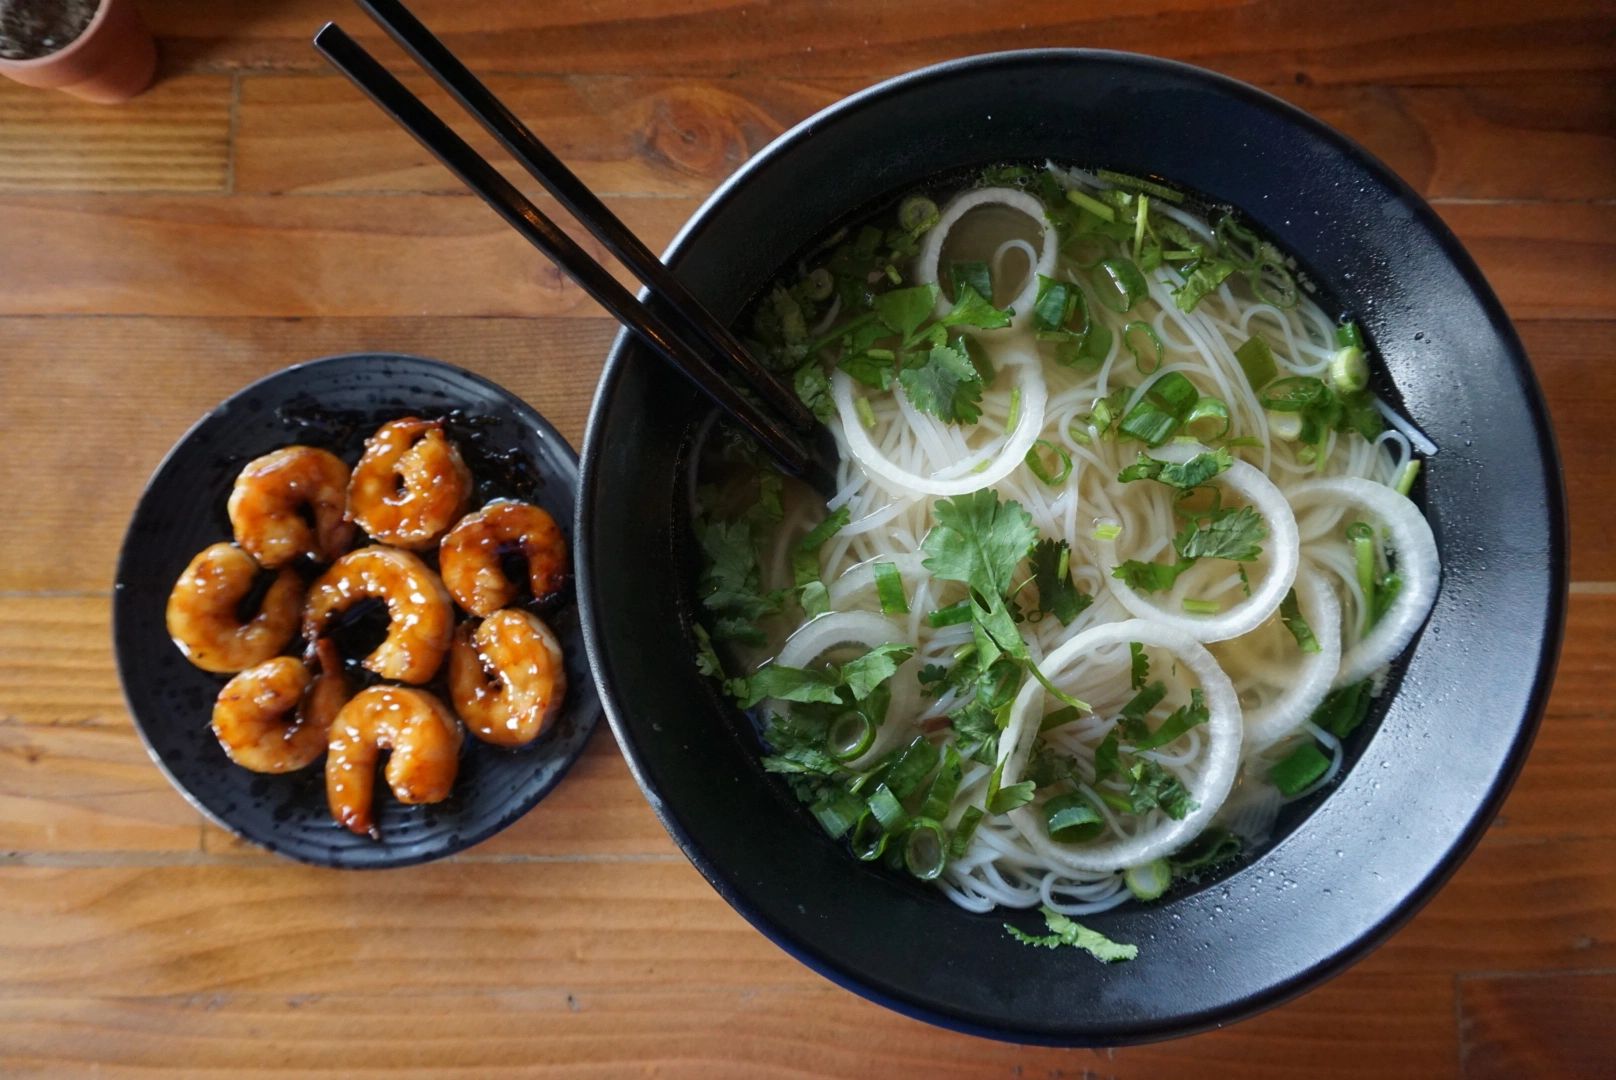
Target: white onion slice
(1209, 787)
(1283, 547)
(927, 269)
(1278, 718)
(901, 481)
(1414, 546)
(866, 629)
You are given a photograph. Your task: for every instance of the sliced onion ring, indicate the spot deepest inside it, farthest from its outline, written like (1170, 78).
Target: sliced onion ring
(1209, 788)
(1029, 424)
(1283, 547)
(927, 268)
(1417, 564)
(1287, 712)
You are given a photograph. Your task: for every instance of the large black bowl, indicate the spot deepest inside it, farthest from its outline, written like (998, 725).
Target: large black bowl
(1349, 866)
(334, 404)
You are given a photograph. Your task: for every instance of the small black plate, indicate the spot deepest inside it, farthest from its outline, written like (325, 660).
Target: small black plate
(334, 403)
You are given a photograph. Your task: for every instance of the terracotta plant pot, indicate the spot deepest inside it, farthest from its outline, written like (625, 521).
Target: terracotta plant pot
(111, 61)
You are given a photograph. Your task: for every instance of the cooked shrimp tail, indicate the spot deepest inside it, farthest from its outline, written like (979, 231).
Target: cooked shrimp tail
(202, 611)
(271, 496)
(470, 556)
(423, 740)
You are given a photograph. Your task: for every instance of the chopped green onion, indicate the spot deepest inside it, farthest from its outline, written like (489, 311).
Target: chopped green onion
(1349, 371)
(1237, 243)
(1213, 846)
(916, 214)
(849, 736)
(1161, 410)
(914, 763)
(976, 275)
(869, 840)
(1015, 410)
(1072, 819)
(1129, 339)
(1299, 770)
(1035, 463)
(1107, 530)
(1363, 550)
(838, 813)
(1139, 219)
(1202, 607)
(952, 615)
(1285, 425)
(960, 841)
(892, 274)
(819, 284)
(1348, 335)
(1161, 191)
(1273, 283)
(889, 587)
(888, 810)
(1406, 478)
(943, 786)
(1209, 408)
(925, 850)
(1092, 205)
(866, 414)
(1344, 708)
(1127, 285)
(1149, 881)
(1257, 361)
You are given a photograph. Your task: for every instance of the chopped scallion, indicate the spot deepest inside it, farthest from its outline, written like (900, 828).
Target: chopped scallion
(1202, 607)
(889, 588)
(1349, 371)
(1299, 770)
(849, 736)
(1092, 205)
(888, 810)
(1140, 337)
(1149, 881)
(1107, 530)
(1126, 285)
(1406, 478)
(866, 414)
(1035, 462)
(1072, 819)
(1257, 361)
(925, 849)
(952, 615)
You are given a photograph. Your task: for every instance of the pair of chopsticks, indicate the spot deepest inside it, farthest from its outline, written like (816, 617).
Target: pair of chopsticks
(676, 326)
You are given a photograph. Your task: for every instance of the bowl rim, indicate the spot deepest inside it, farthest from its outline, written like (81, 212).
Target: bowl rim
(526, 414)
(1544, 666)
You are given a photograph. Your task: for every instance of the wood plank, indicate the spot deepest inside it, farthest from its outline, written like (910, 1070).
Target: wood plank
(1445, 41)
(1572, 362)
(176, 137)
(1355, 1026)
(290, 255)
(87, 788)
(56, 662)
(221, 925)
(641, 136)
(167, 373)
(305, 133)
(378, 255)
(1537, 1025)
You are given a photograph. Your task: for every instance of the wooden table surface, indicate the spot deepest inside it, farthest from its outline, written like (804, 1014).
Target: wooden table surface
(251, 211)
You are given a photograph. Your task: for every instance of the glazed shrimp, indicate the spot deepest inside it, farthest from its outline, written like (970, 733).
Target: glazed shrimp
(420, 615)
(410, 485)
(424, 739)
(506, 677)
(202, 607)
(267, 504)
(273, 718)
(470, 555)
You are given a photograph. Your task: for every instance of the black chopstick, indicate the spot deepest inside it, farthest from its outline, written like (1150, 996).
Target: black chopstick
(410, 113)
(436, 59)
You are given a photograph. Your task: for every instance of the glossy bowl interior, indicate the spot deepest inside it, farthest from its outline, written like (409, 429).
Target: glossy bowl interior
(335, 403)
(1423, 779)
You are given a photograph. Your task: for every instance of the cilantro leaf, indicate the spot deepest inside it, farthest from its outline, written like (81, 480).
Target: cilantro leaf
(973, 309)
(811, 591)
(862, 675)
(945, 383)
(1150, 577)
(1107, 757)
(979, 541)
(1052, 575)
(1192, 473)
(1063, 931)
(1232, 533)
(1003, 800)
(788, 684)
(707, 661)
(1153, 786)
(971, 275)
(729, 586)
(1207, 275)
(903, 310)
(1139, 665)
(813, 390)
